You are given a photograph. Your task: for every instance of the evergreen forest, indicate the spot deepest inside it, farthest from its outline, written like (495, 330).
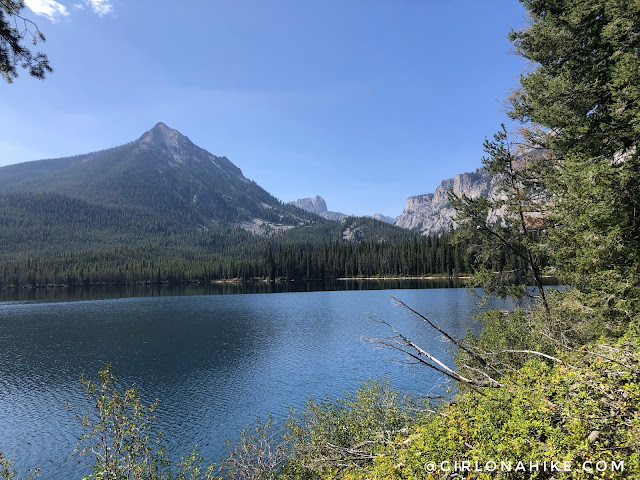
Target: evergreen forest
(249, 258)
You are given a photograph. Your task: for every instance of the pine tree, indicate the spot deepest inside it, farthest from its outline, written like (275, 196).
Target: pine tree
(583, 103)
(503, 232)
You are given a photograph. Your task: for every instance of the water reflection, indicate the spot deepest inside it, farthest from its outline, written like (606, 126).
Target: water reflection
(163, 290)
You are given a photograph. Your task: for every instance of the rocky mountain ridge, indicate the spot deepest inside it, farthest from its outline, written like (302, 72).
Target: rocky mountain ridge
(428, 214)
(432, 213)
(318, 206)
(163, 175)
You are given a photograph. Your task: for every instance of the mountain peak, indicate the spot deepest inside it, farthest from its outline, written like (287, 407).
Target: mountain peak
(168, 139)
(315, 205)
(161, 133)
(162, 128)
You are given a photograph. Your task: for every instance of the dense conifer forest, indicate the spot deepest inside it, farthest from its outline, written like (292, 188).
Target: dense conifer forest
(48, 239)
(235, 255)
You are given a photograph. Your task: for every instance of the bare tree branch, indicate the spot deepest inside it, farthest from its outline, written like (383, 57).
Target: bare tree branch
(403, 344)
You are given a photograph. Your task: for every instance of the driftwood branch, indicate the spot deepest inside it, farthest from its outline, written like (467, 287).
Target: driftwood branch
(456, 341)
(459, 343)
(532, 352)
(484, 374)
(403, 344)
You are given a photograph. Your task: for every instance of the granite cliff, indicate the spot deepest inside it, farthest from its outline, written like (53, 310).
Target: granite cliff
(432, 213)
(318, 206)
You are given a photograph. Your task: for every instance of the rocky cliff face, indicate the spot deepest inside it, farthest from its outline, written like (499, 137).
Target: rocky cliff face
(315, 205)
(432, 213)
(318, 206)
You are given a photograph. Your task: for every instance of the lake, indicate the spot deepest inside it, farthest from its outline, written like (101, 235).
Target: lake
(215, 361)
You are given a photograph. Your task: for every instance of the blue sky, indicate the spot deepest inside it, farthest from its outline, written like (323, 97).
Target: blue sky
(364, 102)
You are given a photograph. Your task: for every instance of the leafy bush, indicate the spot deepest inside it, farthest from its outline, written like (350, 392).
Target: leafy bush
(120, 435)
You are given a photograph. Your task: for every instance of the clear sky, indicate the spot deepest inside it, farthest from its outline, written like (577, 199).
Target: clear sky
(364, 102)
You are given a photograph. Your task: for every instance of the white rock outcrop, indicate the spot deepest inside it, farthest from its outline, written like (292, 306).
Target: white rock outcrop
(318, 206)
(432, 213)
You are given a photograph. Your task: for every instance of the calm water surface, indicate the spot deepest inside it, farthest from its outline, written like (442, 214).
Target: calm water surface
(216, 362)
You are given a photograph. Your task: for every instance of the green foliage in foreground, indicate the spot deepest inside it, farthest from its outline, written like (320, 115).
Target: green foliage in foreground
(584, 409)
(582, 406)
(577, 401)
(119, 434)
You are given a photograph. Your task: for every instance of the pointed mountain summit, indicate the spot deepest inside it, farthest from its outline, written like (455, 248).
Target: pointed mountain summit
(171, 144)
(162, 174)
(160, 133)
(166, 138)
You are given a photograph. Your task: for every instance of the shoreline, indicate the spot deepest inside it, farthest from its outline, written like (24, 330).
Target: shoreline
(426, 277)
(236, 281)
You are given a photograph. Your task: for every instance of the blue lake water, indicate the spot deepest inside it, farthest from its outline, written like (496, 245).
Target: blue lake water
(216, 362)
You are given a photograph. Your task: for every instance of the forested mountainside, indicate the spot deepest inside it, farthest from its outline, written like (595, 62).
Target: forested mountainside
(164, 193)
(84, 250)
(161, 209)
(161, 175)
